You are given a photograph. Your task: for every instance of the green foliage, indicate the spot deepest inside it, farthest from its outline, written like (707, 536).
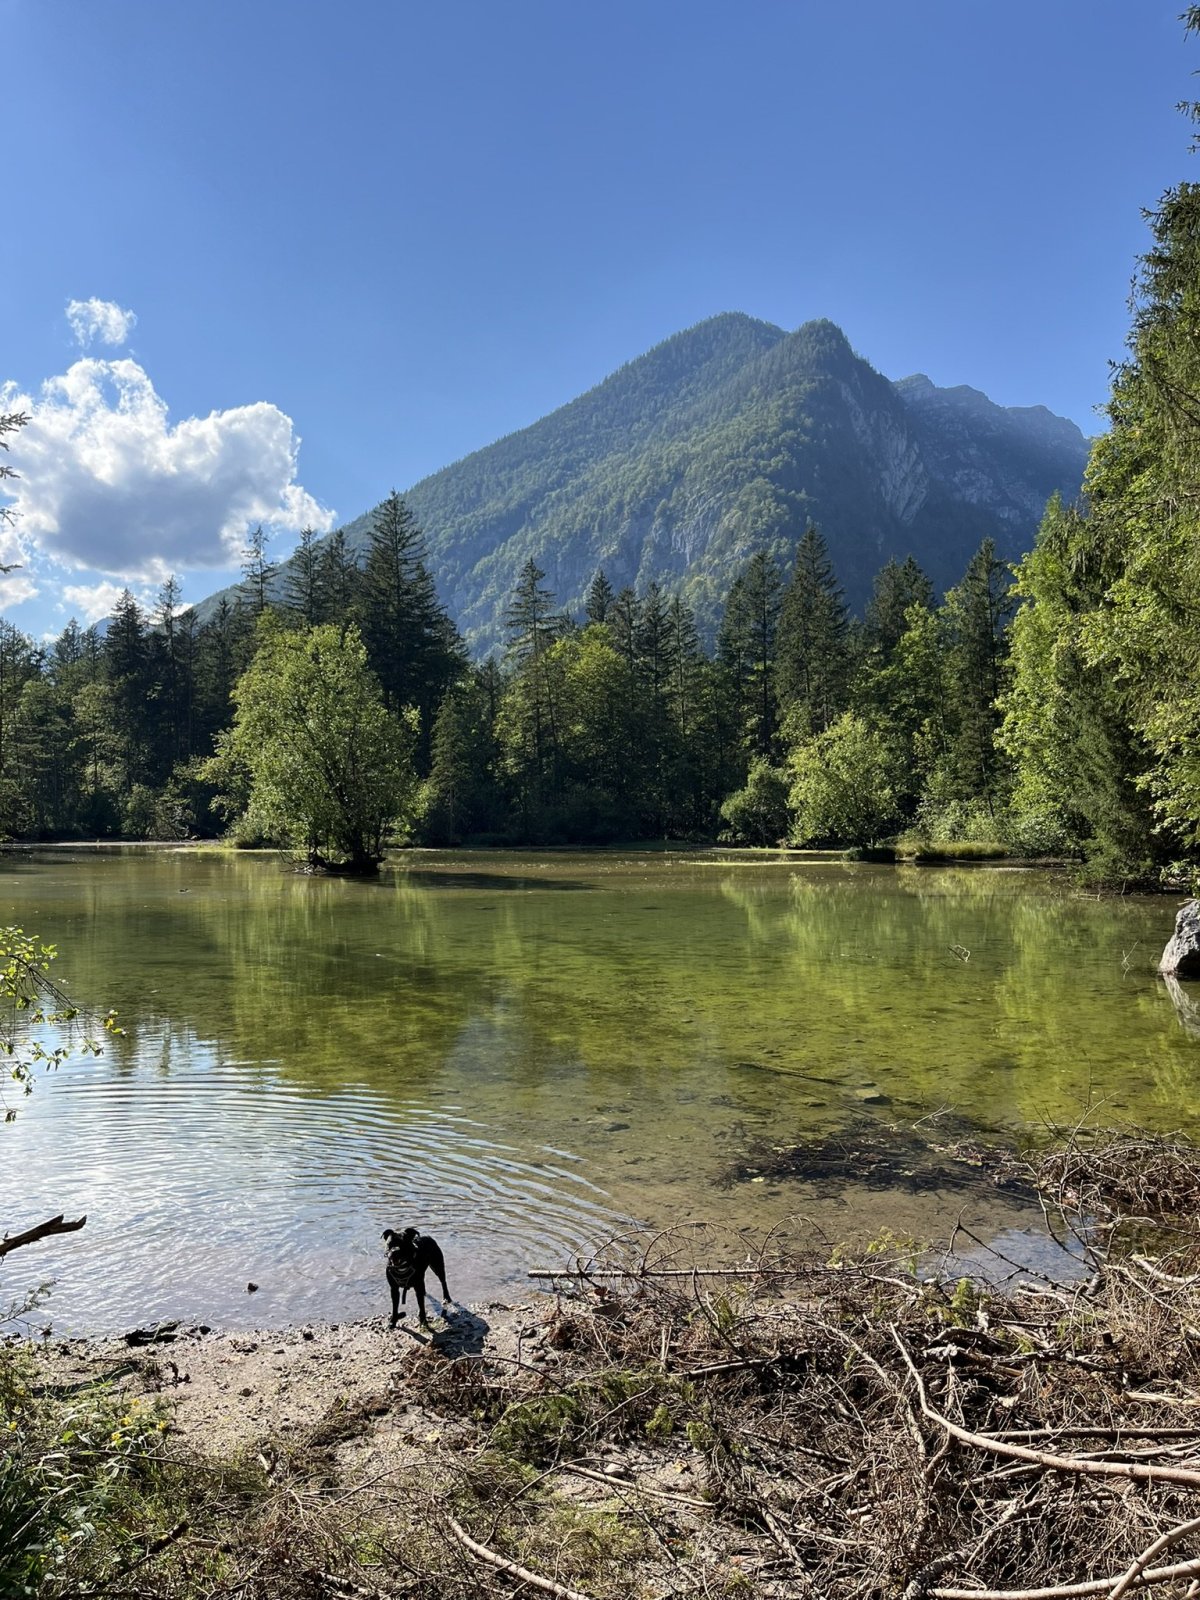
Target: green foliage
(814, 655)
(758, 813)
(841, 791)
(327, 769)
(1066, 719)
(30, 1001)
(537, 1429)
(69, 1472)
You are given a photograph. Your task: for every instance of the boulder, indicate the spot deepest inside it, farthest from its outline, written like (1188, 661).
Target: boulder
(1181, 958)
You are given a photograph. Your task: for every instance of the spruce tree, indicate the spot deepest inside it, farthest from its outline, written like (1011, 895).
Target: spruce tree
(624, 621)
(599, 598)
(303, 590)
(747, 650)
(258, 571)
(339, 580)
(413, 647)
(974, 618)
(528, 723)
(896, 588)
(814, 657)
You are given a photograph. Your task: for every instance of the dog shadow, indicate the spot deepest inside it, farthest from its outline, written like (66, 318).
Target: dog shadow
(463, 1332)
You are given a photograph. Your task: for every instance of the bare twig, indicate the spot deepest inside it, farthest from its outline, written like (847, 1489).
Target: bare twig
(1066, 1591)
(1183, 1530)
(1043, 1458)
(501, 1564)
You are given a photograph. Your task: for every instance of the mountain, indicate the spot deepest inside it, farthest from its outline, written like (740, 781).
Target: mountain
(729, 436)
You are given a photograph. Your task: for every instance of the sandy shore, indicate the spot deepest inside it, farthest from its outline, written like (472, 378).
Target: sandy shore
(227, 1391)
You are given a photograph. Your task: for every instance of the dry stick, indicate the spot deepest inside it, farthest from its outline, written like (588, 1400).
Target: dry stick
(734, 1366)
(642, 1488)
(1067, 1591)
(345, 1585)
(42, 1231)
(616, 1485)
(1163, 1542)
(919, 1584)
(1043, 1458)
(1165, 1277)
(671, 1272)
(1128, 1430)
(482, 1553)
(1184, 1402)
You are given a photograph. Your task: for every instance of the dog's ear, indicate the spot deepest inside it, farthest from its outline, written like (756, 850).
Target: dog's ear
(410, 1236)
(388, 1235)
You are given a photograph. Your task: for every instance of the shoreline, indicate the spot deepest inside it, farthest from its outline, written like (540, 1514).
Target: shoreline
(832, 1424)
(228, 1388)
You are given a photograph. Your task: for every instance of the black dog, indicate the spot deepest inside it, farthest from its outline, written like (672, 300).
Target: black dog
(410, 1256)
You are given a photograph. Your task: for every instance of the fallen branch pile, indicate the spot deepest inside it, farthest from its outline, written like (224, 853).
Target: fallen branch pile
(882, 1431)
(689, 1418)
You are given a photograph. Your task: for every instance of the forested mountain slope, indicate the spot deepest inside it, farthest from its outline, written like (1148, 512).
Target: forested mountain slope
(727, 438)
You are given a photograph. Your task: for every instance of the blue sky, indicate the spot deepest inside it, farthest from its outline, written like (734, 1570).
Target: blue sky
(362, 241)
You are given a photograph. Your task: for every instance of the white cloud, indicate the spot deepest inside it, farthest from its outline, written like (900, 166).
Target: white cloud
(15, 587)
(91, 601)
(21, 584)
(109, 485)
(99, 319)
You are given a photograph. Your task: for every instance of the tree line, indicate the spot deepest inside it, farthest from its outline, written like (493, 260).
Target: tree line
(617, 724)
(347, 690)
(1054, 707)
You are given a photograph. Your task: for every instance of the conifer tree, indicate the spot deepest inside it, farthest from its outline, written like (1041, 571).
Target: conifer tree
(258, 571)
(303, 591)
(747, 646)
(896, 588)
(135, 707)
(599, 598)
(413, 646)
(174, 690)
(814, 659)
(624, 621)
(528, 722)
(974, 619)
(339, 579)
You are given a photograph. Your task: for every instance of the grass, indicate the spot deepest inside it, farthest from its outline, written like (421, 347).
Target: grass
(909, 848)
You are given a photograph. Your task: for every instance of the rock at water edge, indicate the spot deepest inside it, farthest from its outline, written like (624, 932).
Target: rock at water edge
(1181, 958)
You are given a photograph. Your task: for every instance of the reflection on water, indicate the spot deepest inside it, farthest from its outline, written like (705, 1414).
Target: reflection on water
(514, 1052)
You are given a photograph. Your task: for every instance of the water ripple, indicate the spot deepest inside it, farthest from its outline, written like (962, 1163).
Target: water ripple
(204, 1178)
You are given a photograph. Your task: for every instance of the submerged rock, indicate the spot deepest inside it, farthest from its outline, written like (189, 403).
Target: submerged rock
(1181, 958)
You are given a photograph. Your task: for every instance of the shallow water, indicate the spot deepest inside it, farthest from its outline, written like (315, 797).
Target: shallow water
(518, 1053)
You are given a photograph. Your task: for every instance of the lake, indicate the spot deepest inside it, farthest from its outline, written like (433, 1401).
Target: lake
(521, 1052)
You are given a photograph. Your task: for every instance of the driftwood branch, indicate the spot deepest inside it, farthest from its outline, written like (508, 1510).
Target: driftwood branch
(637, 1273)
(501, 1564)
(1069, 1591)
(1172, 1536)
(42, 1231)
(1045, 1458)
(642, 1488)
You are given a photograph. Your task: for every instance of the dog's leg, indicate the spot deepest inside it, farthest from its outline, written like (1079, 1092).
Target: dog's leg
(395, 1303)
(419, 1291)
(438, 1262)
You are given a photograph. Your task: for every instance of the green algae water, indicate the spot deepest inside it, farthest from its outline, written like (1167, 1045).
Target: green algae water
(521, 1053)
